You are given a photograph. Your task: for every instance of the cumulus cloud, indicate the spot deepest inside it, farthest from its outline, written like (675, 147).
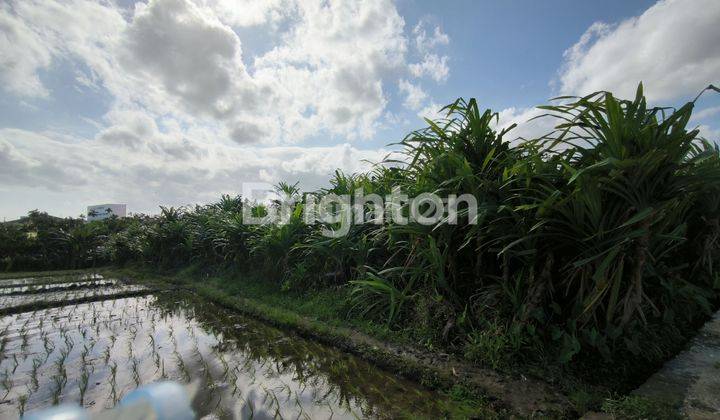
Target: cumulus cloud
(705, 113)
(326, 72)
(708, 133)
(12, 163)
(190, 114)
(244, 13)
(141, 176)
(672, 47)
(20, 168)
(530, 124)
(332, 66)
(246, 132)
(192, 54)
(414, 95)
(134, 131)
(425, 42)
(433, 66)
(431, 111)
(22, 53)
(33, 34)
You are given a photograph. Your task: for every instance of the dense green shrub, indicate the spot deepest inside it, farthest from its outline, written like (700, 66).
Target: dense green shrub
(590, 240)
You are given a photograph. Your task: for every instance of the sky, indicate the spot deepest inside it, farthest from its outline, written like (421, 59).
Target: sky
(175, 102)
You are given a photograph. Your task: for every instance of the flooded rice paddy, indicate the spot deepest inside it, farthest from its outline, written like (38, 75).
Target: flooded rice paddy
(93, 352)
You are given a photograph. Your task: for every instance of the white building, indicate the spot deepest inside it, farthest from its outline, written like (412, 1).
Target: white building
(104, 211)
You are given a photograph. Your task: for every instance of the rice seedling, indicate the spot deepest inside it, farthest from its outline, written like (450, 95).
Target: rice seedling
(36, 363)
(16, 363)
(24, 340)
(6, 382)
(59, 380)
(83, 383)
(106, 355)
(224, 364)
(83, 354)
(130, 349)
(207, 373)
(210, 357)
(22, 402)
(157, 360)
(60, 361)
(24, 326)
(233, 379)
(69, 343)
(48, 345)
(181, 366)
(113, 383)
(196, 351)
(133, 332)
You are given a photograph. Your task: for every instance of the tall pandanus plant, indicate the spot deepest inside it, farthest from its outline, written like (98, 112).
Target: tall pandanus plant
(635, 176)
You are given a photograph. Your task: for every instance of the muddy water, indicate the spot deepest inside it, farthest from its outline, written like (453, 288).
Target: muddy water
(17, 289)
(94, 353)
(50, 296)
(41, 280)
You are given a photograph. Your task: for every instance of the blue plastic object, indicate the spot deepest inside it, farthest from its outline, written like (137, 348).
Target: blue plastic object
(160, 401)
(60, 412)
(169, 400)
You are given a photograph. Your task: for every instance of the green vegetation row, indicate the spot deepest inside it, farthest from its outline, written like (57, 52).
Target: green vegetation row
(597, 241)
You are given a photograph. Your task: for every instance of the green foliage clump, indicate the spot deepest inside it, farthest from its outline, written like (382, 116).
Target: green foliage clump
(639, 408)
(593, 240)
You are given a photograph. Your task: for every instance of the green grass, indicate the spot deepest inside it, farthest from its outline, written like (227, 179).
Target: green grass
(330, 306)
(640, 408)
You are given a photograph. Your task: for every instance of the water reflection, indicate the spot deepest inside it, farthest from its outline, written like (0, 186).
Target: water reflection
(94, 353)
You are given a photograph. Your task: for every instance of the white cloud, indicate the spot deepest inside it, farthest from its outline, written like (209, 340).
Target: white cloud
(433, 66)
(33, 34)
(181, 58)
(414, 95)
(672, 48)
(163, 170)
(244, 13)
(332, 66)
(22, 53)
(432, 112)
(190, 113)
(425, 42)
(190, 53)
(708, 133)
(529, 126)
(705, 113)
